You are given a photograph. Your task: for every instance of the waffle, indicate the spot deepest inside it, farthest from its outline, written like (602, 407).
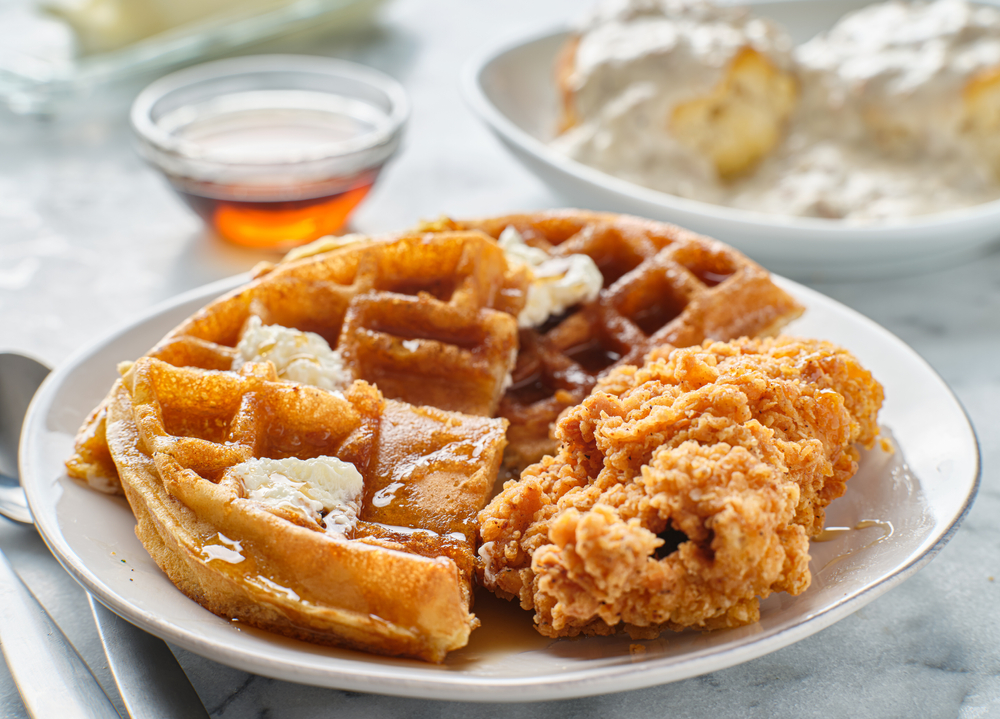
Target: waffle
(396, 559)
(427, 319)
(662, 286)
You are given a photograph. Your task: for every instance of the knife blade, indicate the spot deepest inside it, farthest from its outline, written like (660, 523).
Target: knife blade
(151, 682)
(52, 679)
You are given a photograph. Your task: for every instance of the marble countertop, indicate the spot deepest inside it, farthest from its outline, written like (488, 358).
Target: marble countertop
(89, 237)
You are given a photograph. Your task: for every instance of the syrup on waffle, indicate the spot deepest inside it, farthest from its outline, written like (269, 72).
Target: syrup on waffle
(395, 574)
(427, 319)
(662, 286)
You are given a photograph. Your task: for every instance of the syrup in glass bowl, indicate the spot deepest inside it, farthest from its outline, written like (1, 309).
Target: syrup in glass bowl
(271, 151)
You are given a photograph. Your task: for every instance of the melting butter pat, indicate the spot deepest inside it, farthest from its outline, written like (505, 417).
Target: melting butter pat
(325, 490)
(557, 283)
(297, 356)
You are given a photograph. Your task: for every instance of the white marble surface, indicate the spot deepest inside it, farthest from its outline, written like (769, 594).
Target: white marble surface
(89, 237)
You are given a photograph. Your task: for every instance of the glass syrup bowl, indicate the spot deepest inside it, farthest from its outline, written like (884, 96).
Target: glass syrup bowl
(271, 150)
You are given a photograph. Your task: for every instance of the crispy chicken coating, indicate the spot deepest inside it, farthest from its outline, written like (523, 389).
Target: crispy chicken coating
(734, 449)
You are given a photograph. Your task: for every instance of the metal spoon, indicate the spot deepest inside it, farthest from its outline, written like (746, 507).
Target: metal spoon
(19, 378)
(32, 644)
(149, 679)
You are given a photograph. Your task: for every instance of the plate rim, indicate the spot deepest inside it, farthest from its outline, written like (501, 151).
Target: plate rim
(350, 674)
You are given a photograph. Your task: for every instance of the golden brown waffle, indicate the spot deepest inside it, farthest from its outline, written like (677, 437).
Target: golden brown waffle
(398, 582)
(427, 319)
(662, 286)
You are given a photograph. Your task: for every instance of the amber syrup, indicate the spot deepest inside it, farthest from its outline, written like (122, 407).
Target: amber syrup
(279, 223)
(276, 169)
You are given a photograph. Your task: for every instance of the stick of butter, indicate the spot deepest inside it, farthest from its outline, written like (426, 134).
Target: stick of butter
(104, 25)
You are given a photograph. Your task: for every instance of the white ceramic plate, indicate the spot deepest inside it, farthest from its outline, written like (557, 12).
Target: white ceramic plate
(512, 89)
(915, 498)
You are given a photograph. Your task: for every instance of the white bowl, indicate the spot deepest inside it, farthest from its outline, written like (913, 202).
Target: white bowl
(512, 89)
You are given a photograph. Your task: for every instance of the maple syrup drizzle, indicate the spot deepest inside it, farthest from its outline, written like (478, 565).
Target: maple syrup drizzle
(506, 629)
(830, 533)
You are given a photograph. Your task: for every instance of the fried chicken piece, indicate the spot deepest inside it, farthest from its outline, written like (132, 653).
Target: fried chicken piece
(734, 447)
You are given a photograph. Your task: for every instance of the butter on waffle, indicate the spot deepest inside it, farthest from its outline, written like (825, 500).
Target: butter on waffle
(426, 318)
(662, 286)
(392, 575)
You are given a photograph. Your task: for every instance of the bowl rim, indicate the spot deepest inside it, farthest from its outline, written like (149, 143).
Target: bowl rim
(159, 140)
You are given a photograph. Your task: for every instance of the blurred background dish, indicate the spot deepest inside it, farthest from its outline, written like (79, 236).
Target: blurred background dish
(53, 52)
(514, 90)
(271, 151)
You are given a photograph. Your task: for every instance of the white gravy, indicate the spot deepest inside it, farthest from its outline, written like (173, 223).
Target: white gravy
(877, 134)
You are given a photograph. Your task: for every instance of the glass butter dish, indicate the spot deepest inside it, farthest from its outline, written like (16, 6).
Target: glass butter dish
(54, 51)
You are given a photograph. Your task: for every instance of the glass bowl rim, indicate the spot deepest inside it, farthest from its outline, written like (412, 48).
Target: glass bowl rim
(160, 140)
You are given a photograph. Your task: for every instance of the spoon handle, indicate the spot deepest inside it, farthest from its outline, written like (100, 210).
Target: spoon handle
(51, 677)
(151, 682)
